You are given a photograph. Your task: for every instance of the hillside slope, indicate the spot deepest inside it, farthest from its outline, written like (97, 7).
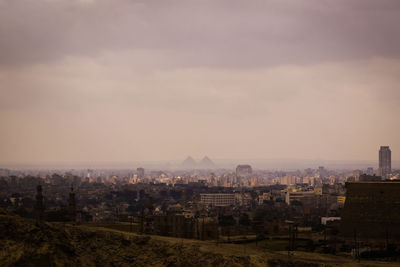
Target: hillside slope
(25, 242)
(28, 243)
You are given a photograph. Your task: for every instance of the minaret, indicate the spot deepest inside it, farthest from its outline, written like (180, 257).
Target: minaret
(72, 205)
(150, 205)
(39, 206)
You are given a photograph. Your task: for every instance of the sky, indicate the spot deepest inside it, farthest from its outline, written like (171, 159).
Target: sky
(125, 80)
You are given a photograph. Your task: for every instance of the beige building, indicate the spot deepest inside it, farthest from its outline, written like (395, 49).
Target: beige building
(219, 200)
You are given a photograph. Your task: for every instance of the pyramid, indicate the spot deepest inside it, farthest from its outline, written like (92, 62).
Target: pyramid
(207, 163)
(189, 162)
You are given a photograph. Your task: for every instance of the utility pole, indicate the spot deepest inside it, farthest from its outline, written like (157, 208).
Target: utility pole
(130, 228)
(292, 236)
(387, 240)
(356, 248)
(202, 230)
(142, 222)
(290, 239)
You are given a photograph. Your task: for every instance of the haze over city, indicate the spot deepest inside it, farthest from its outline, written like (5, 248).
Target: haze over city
(199, 133)
(140, 81)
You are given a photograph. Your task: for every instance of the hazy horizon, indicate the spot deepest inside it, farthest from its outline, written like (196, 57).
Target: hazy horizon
(260, 164)
(143, 81)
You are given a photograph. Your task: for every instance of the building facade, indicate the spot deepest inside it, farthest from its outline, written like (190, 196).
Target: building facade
(372, 210)
(218, 200)
(243, 170)
(385, 162)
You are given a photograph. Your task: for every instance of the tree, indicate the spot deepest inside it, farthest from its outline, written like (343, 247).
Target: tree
(226, 221)
(244, 221)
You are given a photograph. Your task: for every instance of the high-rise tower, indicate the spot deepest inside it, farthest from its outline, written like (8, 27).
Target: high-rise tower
(39, 206)
(385, 162)
(72, 205)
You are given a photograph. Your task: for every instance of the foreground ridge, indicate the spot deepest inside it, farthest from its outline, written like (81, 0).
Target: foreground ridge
(31, 243)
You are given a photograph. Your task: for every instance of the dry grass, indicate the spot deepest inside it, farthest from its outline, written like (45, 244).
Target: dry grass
(28, 243)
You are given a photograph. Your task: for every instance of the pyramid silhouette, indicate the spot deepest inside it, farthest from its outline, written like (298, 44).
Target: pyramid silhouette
(189, 162)
(207, 163)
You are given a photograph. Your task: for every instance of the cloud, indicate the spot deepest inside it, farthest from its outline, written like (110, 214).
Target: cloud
(83, 109)
(132, 80)
(201, 33)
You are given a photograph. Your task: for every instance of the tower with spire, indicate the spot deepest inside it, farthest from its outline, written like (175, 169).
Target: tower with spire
(39, 206)
(72, 205)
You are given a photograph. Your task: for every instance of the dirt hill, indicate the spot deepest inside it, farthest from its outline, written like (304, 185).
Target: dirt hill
(29, 243)
(25, 242)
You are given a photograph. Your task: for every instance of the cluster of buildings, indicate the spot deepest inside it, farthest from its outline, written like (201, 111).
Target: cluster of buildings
(204, 204)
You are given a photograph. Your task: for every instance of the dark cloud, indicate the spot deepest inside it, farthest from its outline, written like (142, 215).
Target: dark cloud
(201, 33)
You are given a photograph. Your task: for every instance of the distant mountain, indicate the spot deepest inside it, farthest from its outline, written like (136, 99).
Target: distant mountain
(206, 163)
(189, 162)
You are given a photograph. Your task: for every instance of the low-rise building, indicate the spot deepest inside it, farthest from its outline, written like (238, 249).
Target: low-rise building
(218, 200)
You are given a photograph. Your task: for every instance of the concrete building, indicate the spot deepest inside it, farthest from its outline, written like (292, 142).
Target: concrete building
(298, 196)
(372, 210)
(218, 200)
(243, 170)
(370, 171)
(140, 173)
(366, 177)
(322, 172)
(385, 162)
(288, 180)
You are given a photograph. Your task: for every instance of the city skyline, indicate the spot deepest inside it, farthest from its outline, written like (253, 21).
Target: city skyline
(289, 164)
(199, 133)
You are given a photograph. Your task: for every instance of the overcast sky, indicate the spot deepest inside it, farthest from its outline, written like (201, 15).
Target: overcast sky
(126, 80)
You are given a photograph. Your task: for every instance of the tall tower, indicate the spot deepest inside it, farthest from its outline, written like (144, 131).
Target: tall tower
(385, 162)
(39, 206)
(72, 205)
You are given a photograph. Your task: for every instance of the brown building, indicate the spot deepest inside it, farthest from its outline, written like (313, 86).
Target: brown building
(372, 210)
